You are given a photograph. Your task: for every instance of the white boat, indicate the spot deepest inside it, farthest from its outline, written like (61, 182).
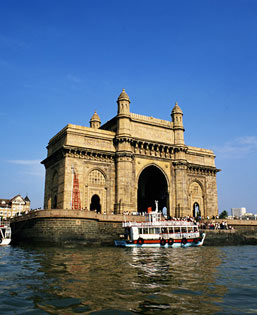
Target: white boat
(5, 234)
(155, 231)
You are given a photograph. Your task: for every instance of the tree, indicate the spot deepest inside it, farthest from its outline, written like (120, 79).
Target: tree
(223, 215)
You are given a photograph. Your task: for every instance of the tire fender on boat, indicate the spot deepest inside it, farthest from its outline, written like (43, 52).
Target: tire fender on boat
(184, 241)
(162, 241)
(140, 241)
(171, 241)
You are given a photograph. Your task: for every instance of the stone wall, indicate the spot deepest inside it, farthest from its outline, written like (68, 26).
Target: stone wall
(231, 237)
(66, 231)
(62, 227)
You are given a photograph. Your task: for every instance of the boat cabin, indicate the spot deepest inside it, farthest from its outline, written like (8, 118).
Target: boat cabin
(164, 232)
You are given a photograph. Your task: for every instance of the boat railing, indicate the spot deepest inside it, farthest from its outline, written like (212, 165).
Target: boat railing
(158, 223)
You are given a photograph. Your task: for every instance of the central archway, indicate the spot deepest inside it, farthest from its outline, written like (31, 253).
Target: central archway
(152, 185)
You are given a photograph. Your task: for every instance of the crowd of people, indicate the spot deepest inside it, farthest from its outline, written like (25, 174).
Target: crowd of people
(210, 224)
(213, 225)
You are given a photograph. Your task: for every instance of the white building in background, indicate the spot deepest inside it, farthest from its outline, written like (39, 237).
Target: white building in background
(16, 205)
(238, 212)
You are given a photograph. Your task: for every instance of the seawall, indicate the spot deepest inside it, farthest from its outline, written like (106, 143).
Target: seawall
(229, 238)
(244, 232)
(66, 227)
(61, 227)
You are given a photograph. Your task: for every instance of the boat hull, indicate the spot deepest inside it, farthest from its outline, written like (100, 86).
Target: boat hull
(5, 241)
(157, 243)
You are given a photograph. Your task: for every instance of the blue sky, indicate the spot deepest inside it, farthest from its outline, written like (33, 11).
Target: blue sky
(62, 60)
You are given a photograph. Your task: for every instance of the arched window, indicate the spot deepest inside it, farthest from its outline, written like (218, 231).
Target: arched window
(195, 190)
(96, 178)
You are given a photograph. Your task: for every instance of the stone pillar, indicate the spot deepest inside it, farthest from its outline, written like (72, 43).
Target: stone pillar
(47, 193)
(211, 196)
(124, 183)
(181, 200)
(54, 185)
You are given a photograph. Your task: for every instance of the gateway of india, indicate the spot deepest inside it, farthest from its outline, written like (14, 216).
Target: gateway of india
(129, 163)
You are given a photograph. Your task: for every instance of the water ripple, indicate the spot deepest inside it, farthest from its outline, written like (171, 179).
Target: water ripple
(105, 280)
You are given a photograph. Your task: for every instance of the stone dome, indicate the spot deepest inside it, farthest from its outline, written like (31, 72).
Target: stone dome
(95, 117)
(176, 109)
(123, 96)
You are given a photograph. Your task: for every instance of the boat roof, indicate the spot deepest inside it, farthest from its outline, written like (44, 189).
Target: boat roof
(168, 223)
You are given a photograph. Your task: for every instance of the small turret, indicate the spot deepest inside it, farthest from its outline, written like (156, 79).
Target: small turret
(95, 121)
(177, 116)
(177, 119)
(123, 117)
(123, 103)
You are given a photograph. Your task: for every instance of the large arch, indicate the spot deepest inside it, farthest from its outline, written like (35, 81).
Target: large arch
(152, 186)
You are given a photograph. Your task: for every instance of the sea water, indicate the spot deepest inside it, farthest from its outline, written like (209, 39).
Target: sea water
(110, 280)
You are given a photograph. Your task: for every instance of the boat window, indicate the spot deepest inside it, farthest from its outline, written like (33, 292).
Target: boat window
(164, 230)
(140, 230)
(177, 229)
(183, 229)
(151, 230)
(157, 230)
(195, 229)
(170, 230)
(190, 229)
(145, 230)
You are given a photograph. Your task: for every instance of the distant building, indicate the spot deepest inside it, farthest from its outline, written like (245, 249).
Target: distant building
(249, 216)
(238, 212)
(10, 207)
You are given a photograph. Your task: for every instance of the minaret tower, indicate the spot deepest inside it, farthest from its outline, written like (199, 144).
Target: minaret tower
(179, 163)
(177, 119)
(125, 181)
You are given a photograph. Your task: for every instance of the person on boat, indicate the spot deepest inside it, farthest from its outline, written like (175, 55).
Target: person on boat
(156, 206)
(164, 212)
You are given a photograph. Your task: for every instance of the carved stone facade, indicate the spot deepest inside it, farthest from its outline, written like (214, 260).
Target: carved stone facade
(128, 163)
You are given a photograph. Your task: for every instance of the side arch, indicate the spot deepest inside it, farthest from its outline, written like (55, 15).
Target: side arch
(96, 190)
(95, 204)
(196, 198)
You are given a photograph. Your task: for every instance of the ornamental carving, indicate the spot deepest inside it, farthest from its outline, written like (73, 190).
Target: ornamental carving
(95, 177)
